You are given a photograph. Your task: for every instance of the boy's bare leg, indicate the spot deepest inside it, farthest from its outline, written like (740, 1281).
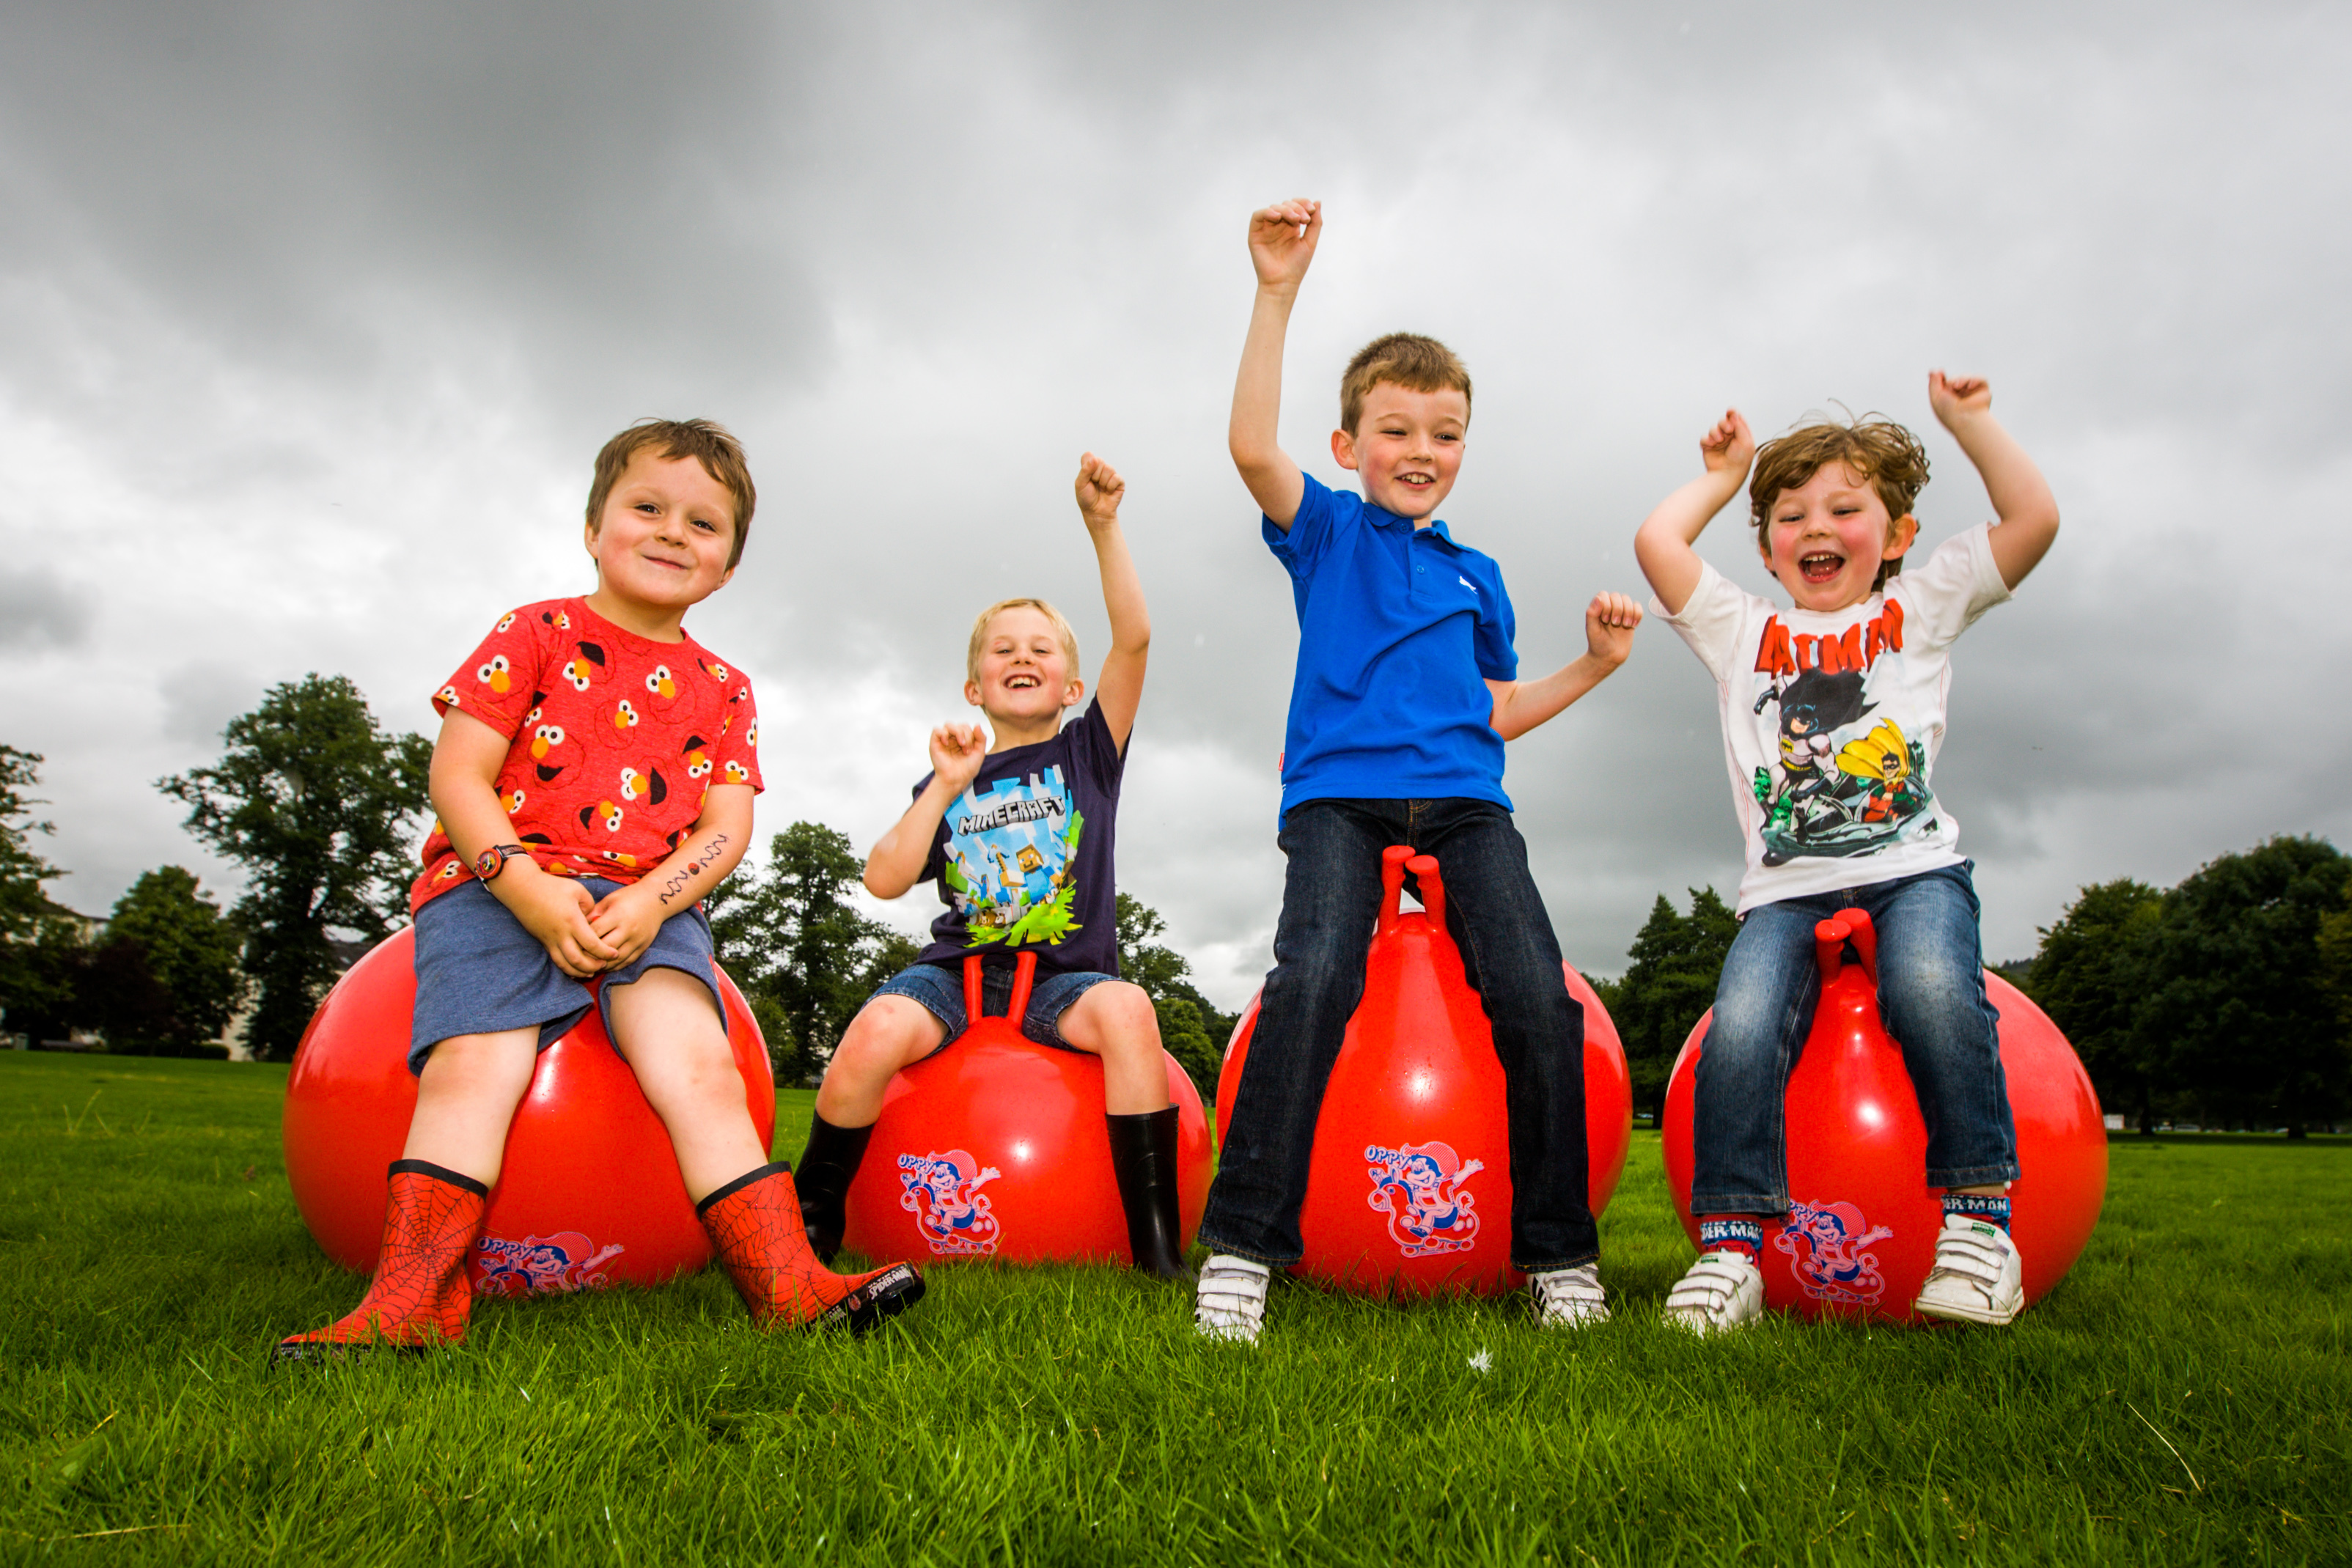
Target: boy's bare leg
(673, 1040)
(888, 1033)
(437, 1193)
(1115, 1022)
(466, 1100)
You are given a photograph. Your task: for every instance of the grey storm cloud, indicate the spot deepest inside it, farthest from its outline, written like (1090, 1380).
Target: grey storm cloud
(40, 609)
(311, 318)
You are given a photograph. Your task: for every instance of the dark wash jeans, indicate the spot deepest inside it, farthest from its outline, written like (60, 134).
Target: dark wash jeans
(1330, 902)
(1931, 997)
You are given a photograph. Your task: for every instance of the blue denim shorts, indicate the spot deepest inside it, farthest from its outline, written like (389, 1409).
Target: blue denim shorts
(940, 989)
(478, 971)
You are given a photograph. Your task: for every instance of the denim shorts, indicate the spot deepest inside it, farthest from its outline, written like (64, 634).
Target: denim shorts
(941, 990)
(478, 971)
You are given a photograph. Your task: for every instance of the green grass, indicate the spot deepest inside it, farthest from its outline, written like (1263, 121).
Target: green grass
(2184, 1397)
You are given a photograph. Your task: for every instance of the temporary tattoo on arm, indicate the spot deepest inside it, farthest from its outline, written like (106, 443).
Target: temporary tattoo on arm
(678, 881)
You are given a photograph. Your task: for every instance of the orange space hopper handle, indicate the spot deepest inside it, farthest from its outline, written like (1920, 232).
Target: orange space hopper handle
(1025, 974)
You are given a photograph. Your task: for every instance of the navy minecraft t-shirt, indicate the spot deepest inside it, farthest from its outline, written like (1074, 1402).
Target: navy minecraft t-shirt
(1023, 856)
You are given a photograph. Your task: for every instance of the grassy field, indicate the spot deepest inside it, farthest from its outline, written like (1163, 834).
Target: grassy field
(2185, 1396)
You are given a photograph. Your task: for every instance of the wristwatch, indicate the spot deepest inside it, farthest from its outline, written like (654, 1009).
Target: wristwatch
(492, 861)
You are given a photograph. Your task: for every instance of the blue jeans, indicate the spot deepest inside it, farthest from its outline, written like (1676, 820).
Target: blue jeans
(1330, 901)
(1931, 997)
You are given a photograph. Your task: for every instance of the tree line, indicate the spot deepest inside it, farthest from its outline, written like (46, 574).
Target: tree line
(2225, 1000)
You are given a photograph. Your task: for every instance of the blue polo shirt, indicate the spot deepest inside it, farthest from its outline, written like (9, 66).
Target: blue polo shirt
(1398, 631)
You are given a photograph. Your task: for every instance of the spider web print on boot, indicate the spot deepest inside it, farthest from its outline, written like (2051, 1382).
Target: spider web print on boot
(420, 1293)
(755, 1223)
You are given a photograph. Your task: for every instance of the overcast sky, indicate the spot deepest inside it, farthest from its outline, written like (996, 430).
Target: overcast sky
(311, 318)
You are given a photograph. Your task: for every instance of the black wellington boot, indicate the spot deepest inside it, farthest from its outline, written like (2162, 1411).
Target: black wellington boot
(1144, 1157)
(826, 1168)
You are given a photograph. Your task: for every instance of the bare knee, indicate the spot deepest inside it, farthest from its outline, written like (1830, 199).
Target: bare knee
(479, 1066)
(1114, 1020)
(888, 1033)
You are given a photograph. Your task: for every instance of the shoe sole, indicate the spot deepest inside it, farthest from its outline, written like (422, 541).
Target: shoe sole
(1219, 1334)
(881, 1298)
(1947, 1313)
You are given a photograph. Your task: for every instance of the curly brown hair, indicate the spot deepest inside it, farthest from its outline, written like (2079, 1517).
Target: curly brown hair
(1874, 448)
(1407, 359)
(706, 441)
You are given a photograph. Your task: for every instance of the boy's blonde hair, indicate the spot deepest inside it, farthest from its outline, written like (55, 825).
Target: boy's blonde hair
(980, 632)
(1409, 359)
(706, 441)
(1874, 448)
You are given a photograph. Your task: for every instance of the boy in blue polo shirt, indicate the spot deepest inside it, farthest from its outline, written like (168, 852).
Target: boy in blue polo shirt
(1405, 691)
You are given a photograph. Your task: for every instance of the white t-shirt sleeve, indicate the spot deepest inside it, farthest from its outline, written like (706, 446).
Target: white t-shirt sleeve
(1710, 622)
(1958, 583)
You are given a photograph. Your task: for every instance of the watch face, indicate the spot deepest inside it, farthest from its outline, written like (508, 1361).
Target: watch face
(489, 864)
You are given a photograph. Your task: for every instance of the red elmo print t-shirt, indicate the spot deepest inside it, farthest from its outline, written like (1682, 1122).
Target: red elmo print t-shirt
(615, 739)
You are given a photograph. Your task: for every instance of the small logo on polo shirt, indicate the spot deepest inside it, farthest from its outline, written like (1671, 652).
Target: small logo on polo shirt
(1466, 582)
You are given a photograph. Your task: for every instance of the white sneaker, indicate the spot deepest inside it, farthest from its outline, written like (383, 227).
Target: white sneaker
(1569, 1297)
(1230, 1302)
(1978, 1277)
(1722, 1291)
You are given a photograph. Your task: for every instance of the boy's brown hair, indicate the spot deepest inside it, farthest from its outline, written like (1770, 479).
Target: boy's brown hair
(1874, 448)
(1061, 630)
(706, 441)
(1409, 359)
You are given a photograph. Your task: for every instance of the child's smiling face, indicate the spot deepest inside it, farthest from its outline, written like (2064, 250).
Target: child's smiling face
(1026, 677)
(1407, 448)
(662, 541)
(1826, 538)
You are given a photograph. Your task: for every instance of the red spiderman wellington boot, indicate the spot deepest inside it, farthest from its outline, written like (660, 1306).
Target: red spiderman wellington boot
(420, 1295)
(755, 1223)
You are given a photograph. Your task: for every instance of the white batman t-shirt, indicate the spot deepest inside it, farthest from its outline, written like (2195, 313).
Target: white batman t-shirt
(1832, 722)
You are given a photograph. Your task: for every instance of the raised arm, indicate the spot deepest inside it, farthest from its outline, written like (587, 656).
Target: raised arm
(2021, 496)
(1120, 689)
(1521, 705)
(957, 752)
(1663, 543)
(1282, 240)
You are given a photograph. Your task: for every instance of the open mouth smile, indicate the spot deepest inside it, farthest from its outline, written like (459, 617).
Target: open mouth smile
(1022, 682)
(1820, 566)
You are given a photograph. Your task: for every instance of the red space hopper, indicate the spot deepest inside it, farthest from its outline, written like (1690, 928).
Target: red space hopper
(1860, 1234)
(1410, 1186)
(995, 1148)
(590, 1193)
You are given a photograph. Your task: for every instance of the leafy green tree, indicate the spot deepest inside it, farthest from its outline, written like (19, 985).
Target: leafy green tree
(321, 807)
(22, 871)
(2235, 1010)
(2336, 960)
(2086, 976)
(804, 956)
(1192, 1029)
(40, 941)
(1184, 1036)
(1668, 983)
(117, 994)
(187, 948)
